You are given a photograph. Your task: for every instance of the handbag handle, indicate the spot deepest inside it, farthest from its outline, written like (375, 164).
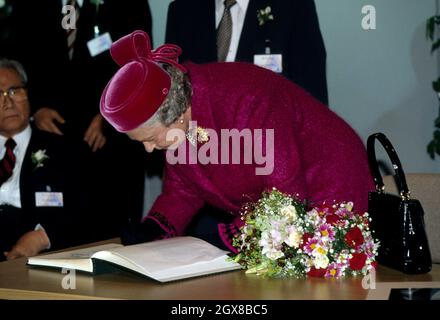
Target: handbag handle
(397, 166)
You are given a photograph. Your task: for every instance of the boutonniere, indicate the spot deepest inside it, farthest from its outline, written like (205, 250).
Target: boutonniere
(264, 15)
(38, 158)
(97, 3)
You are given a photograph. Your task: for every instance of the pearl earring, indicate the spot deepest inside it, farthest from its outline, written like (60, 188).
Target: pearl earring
(181, 120)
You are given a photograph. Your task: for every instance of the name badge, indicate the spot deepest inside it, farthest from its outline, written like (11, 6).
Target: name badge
(49, 199)
(272, 62)
(99, 44)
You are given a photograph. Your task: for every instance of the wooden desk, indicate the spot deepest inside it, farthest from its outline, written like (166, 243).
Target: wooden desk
(18, 281)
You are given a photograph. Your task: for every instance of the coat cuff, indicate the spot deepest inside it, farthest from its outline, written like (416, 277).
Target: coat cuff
(163, 223)
(227, 233)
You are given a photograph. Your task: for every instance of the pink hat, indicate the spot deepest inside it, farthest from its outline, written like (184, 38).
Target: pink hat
(140, 86)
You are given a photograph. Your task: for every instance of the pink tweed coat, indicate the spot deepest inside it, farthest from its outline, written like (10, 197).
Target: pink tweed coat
(317, 155)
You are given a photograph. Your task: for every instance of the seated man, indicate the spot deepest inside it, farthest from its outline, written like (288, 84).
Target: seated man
(35, 202)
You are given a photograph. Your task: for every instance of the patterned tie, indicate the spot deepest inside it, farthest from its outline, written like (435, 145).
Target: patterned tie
(71, 33)
(8, 162)
(224, 31)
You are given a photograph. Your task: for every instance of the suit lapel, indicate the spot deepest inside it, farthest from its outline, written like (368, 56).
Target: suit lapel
(26, 176)
(208, 32)
(248, 37)
(87, 19)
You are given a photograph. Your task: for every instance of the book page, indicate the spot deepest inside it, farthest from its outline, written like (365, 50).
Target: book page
(78, 259)
(163, 256)
(217, 265)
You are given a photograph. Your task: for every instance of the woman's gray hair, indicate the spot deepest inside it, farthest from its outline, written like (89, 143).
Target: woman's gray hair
(16, 66)
(177, 100)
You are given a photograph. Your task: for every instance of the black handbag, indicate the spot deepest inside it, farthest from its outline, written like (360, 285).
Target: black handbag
(397, 221)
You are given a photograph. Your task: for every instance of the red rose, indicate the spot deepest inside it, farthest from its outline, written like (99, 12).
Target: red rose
(306, 237)
(332, 219)
(354, 238)
(317, 273)
(374, 265)
(358, 261)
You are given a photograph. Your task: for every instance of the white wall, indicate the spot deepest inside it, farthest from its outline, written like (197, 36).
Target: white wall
(379, 80)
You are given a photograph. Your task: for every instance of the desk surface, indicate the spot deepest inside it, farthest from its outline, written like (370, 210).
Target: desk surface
(18, 281)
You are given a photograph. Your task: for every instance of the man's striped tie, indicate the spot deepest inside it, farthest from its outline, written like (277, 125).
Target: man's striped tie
(224, 31)
(71, 33)
(8, 162)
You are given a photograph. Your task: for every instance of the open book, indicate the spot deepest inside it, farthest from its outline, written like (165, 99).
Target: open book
(162, 260)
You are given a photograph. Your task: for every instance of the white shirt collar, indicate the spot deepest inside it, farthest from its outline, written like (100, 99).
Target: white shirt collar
(10, 189)
(21, 139)
(242, 3)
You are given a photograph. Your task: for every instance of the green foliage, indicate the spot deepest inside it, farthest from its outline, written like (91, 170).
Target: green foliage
(433, 146)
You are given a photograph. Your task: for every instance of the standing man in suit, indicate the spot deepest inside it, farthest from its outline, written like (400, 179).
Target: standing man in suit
(5, 24)
(281, 28)
(36, 182)
(64, 45)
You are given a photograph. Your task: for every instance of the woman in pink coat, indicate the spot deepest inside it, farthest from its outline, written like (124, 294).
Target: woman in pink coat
(248, 130)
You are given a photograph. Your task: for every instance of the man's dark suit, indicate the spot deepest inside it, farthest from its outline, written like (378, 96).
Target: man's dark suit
(59, 173)
(39, 42)
(294, 33)
(74, 88)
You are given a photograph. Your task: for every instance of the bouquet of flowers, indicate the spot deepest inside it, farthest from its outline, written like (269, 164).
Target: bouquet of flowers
(282, 238)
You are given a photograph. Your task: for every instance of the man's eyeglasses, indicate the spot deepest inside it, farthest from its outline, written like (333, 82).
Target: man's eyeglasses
(16, 94)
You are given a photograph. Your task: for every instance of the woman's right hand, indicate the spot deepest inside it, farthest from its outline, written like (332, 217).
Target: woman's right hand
(45, 120)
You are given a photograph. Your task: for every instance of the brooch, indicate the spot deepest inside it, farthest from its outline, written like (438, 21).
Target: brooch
(197, 134)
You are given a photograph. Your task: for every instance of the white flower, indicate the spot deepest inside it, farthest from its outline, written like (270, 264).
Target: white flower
(313, 218)
(39, 155)
(274, 254)
(294, 238)
(270, 247)
(321, 261)
(319, 250)
(38, 158)
(264, 15)
(289, 212)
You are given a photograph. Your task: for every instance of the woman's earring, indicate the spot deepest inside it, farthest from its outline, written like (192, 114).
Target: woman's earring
(181, 121)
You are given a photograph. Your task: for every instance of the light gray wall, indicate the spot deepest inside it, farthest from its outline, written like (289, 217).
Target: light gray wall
(379, 80)
(159, 10)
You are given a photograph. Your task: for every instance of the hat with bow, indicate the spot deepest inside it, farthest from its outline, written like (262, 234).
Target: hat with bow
(141, 85)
